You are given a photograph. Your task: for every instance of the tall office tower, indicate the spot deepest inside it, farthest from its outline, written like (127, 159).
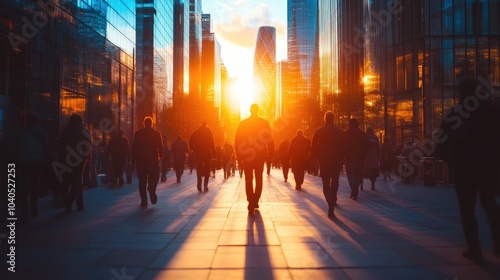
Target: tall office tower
(181, 51)
(206, 23)
(264, 72)
(303, 63)
(154, 58)
(211, 67)
(328, 55)
(195, 48)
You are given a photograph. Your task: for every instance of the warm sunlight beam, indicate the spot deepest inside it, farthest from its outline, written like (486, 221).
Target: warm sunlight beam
(244, 89)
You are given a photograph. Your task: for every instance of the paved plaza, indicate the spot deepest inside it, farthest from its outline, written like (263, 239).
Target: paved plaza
(399, 231)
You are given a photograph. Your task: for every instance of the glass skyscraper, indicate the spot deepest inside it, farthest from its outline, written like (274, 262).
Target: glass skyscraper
(181, 50)
(154, 58)
(195, 44)
(303, 62)
(264, 72)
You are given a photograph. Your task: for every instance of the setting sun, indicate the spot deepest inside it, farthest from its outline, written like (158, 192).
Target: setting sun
(244, 91)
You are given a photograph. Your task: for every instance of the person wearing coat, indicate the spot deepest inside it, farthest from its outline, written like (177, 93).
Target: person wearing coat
(387, 158)
(356, 152)
(299, 152)
(328, 146)
(202, 142)
(119, 152)
(372, 157)
(147, 152)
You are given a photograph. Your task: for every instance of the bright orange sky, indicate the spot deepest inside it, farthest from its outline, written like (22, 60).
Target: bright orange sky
(235, 24)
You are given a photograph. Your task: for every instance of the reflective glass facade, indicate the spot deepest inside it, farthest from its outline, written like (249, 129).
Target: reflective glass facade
(76, 57)
(181, 50)
(211, 66)
(154, 58)
(328, 54)
(303, 62)
(195, 42)
(424, 55)
(264, 72)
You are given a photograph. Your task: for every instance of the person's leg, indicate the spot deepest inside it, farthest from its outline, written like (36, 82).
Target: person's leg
(286, 168)
(487, 196)
(248, 170)
(467, 201)
(352, 178)
(326, 180)
(259, 169)
(334, 185)
(120, 165)
(373, 177)
(153, 178)
(200, 169)
(207, 174)
(143, 181)
(300, 176)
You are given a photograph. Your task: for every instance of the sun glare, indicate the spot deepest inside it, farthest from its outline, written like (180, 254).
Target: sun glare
(244, 90)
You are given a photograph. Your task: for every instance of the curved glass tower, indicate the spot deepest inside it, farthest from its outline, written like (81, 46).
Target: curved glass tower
(264, 72)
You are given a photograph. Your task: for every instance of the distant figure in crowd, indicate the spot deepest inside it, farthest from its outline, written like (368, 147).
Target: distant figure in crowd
(356, 151)
(372, 157)
(179, 151)
(147, 151)
(470, 145)
(30, 153)
(119, 152)
(76, 150)
(165, 161)
(387, 158)
(191, 161)
(408, 149)
(328, 146)
(284, 158)
(254, 146)
(299, 152)
(227, 153)
(202, 142)
(269, 162)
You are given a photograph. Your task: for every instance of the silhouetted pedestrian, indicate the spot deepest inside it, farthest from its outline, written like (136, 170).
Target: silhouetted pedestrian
(387, 158)
(76, 150)
(356, 152)
(31, 153)
(372, 156)
(147, 151)
(227, 153)
(299, 152)
(469, 140)
(179, 151)
(328, 146)
(119, 152)
(254, 146)
(202, 142)
(284, 158)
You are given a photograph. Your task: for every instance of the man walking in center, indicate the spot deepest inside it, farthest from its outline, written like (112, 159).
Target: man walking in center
(202, 142)
(254, 146)
(328, 145)
(147, 151)
(284, 158)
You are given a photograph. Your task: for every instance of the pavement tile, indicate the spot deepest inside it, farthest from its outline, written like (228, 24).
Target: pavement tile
(249, 257)
(250, 273)
(177, 274)
(183, 259)
(128, 258)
